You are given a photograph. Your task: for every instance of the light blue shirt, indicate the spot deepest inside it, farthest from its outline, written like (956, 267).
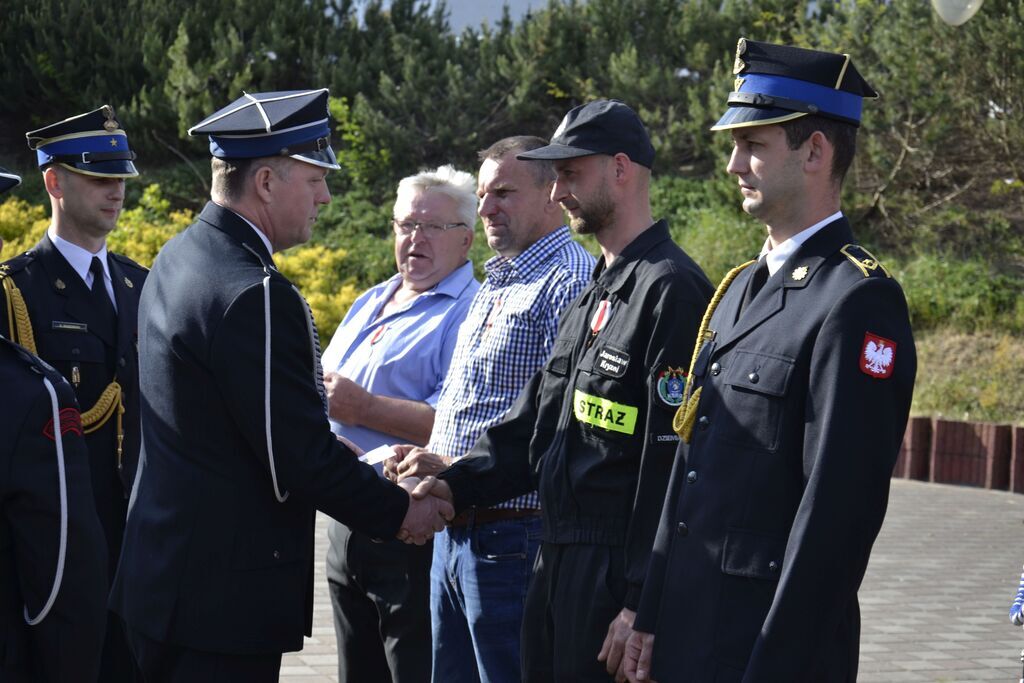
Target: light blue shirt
(405, 354)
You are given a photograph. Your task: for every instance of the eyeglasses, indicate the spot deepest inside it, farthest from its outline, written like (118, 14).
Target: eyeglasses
(429, 229)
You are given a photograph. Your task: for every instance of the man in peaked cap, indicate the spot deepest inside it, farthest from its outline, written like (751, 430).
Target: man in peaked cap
(53, 581)
(75, 304)
(216, 577)
(798, 397)
(592, 431)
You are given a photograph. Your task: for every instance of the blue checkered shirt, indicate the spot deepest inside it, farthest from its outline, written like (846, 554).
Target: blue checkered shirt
(505, 339)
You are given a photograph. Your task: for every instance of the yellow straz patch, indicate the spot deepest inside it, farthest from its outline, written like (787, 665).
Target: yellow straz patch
(600, 412)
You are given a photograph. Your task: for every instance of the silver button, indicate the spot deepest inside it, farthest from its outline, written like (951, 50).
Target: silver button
(753, 377)
(703, 422)
(716, 369)
(277, 555)
(691, 477)
(682, 529)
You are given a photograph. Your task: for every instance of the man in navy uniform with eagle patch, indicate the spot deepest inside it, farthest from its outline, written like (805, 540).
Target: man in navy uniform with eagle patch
(75, 304)
(798, 397)
(216, 576)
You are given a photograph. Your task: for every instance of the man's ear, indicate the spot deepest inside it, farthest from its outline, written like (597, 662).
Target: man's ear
(263, 183)
(52, 181)
(819, 153)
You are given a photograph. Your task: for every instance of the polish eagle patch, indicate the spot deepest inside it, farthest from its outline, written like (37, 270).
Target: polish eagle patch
(878, 356)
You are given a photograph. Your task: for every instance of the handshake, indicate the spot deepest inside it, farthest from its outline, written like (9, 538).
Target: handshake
(430, 499)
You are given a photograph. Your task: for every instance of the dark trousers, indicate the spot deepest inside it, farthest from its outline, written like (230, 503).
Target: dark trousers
(576, 592)
(117, 665)
(380, 596)
(168, 663)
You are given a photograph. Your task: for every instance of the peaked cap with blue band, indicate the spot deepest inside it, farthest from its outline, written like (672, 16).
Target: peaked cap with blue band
(91, 144)
(8, 180)
(776, 83)
(291, 123)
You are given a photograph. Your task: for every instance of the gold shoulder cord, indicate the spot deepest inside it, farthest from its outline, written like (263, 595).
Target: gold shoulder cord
(684, 418)
(109, 401)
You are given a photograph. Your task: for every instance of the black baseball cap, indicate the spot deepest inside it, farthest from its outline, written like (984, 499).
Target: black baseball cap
(598, 127)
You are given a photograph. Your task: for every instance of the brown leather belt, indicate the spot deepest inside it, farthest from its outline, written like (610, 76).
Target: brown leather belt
(479, 516)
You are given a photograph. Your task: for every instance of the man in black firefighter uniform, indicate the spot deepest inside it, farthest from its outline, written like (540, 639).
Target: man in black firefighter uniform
(592, 430)
(75, 304)
(798, 398)
(53, 581)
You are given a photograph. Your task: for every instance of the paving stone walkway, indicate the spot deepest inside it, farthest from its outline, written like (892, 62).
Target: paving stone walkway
(934, 601)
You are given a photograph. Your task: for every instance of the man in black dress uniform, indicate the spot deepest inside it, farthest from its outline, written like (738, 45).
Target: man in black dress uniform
(75, 304)
(216, 576)
(798, 398)
(53, 581)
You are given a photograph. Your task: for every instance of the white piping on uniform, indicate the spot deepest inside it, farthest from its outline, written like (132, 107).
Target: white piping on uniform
(63, 485)
(207, 121)
(266, 390)
(259, 108)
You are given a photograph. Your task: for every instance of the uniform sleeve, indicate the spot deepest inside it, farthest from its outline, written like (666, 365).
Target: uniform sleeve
(676, 314)
(854, 426)
(67, 643)
(308, 460)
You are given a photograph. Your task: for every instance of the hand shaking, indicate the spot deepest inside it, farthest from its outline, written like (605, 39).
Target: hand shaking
(430, 507)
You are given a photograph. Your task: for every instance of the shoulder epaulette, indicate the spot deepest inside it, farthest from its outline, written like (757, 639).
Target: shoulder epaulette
(865, 261)
(121, 258)
(25, 355)
(16, 264)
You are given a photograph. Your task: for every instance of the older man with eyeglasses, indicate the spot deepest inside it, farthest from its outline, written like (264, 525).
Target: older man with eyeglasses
(386, 365)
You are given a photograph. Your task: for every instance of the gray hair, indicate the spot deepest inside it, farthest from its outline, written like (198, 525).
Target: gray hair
(446, 180)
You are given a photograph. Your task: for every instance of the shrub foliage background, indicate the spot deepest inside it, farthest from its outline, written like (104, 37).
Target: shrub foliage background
(937, 189)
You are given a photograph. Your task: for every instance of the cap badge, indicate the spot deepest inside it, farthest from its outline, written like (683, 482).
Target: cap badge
(113, 141)
(110, 125)
(799, 273)
(739, 65)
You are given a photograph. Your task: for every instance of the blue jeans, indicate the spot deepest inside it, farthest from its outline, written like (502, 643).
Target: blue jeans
(478, 583)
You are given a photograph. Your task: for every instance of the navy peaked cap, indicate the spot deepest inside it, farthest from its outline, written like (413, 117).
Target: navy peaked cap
(598, 127)
(776, 83)
(290, 123)
(91, 144)
(8, 180)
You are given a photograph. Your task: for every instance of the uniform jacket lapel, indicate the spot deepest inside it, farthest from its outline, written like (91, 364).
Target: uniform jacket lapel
(76, 296)
(773, 296)
(127, 306)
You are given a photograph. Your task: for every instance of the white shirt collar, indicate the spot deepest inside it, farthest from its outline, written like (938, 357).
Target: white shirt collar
(262, 235)
(78, 257)
(777, 256)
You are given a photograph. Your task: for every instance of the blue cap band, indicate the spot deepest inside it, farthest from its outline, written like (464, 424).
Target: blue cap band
(266, 144)
(829, 101)
(104, 142)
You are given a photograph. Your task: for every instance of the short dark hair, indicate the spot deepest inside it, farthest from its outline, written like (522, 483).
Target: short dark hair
(842, 136)
(229, 175)
(543, 169)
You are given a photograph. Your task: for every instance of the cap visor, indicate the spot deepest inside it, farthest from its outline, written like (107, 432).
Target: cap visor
(104, 169)
(746, 117)
(7, 182)
(324, 158)
(554, 152)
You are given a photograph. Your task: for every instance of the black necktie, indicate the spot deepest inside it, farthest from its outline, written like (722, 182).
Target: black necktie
(755, 283)
(101, 303)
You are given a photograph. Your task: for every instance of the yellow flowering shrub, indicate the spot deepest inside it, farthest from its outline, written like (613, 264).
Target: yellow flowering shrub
(21, 226)
(318, 272)
(144, 229)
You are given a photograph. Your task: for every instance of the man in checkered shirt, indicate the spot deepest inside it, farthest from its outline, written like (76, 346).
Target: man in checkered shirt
(482, 563)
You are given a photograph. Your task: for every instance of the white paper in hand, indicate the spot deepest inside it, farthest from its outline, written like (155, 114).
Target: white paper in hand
(377, 456)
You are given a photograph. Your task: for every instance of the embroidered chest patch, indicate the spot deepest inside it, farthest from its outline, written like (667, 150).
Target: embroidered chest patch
(612, 362)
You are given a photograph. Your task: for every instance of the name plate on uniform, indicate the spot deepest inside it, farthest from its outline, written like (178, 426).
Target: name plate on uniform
(69, 326)
(600, 412)
(612, 362)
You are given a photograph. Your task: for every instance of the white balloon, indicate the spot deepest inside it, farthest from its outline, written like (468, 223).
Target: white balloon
(956, 12)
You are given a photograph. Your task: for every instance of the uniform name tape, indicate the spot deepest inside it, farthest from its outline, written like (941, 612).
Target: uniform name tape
(600, 412)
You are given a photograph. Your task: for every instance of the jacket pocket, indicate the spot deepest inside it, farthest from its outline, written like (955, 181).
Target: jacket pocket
(756, 385)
